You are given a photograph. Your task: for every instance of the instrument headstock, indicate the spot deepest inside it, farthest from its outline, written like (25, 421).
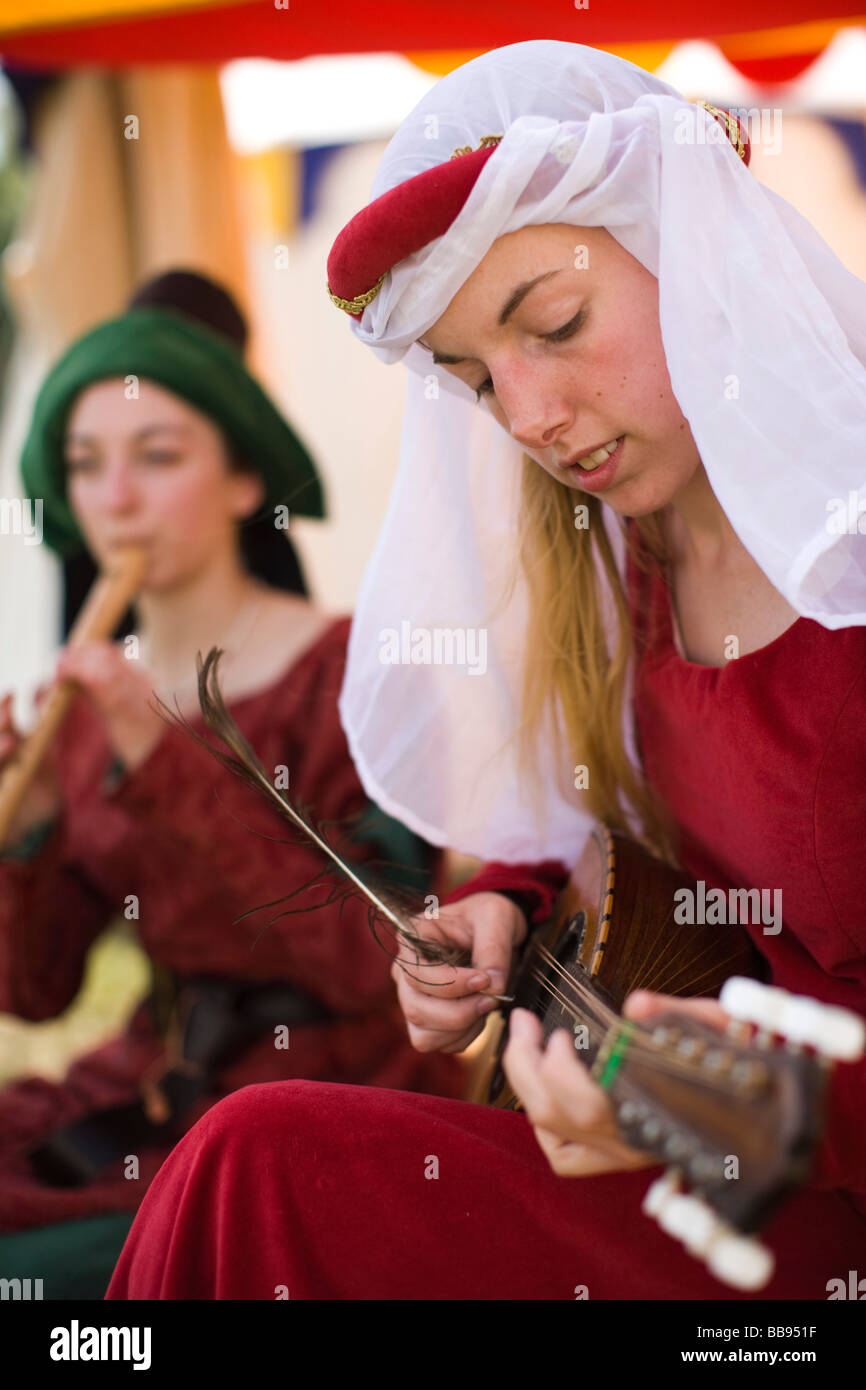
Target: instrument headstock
(739, 1122)
(770, 1122)
(737, 1116)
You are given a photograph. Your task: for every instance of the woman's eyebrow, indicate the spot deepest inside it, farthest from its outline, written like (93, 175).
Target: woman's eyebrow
(157, 429)
(522, 291)
(76, 437)
(515, 298)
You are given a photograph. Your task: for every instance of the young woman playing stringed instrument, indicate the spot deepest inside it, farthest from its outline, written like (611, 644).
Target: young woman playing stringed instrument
(644, 375)
(128, 813)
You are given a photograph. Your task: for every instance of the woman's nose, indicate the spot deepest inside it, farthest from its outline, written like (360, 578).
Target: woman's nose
(536, 414)
(121, 494)
(537, 423)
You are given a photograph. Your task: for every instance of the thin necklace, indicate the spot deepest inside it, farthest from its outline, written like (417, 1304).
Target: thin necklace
(226, 642)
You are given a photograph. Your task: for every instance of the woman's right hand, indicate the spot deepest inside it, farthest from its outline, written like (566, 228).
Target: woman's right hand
(42, 800)
(445, 1007)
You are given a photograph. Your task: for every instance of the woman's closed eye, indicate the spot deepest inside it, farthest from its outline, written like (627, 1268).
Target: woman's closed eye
(87, 463)
(559, 335)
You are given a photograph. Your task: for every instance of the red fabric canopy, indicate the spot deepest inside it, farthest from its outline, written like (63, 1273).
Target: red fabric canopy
(223, 32)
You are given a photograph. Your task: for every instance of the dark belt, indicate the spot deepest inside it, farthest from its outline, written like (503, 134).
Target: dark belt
(217, 1018)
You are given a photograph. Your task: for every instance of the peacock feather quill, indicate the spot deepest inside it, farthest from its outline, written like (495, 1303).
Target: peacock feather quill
(390, 907)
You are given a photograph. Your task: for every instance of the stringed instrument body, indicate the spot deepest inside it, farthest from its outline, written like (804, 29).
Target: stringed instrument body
(738, 1122)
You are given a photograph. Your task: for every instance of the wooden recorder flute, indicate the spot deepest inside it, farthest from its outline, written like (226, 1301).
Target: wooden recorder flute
(105, 605)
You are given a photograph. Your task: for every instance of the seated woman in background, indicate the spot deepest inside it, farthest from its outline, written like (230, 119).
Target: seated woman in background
(130, 815)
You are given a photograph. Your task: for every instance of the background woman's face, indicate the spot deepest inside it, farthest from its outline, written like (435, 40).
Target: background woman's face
(153, 470)
(577, 363)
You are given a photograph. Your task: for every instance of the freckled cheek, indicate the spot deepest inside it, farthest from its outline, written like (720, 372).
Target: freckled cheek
(606, 382)
(647, 362)
(638, 384)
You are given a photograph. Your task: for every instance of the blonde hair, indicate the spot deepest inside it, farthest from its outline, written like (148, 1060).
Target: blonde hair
(568, 657)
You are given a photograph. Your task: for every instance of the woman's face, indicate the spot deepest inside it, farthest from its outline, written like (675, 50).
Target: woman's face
(153, 471)
(572, 363)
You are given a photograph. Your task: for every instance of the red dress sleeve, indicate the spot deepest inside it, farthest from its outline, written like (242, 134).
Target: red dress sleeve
(213, 849)
(49, 916)
(538, 884)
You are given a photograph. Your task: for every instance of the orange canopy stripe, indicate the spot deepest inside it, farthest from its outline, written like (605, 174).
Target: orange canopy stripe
(20, 15)
(764, 35)
(789, 49)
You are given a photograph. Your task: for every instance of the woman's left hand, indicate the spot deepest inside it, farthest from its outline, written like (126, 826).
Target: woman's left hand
(121, 690)
(571, 1115)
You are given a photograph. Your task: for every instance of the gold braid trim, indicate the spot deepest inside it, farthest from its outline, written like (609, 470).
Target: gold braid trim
(360, 302)
(485, 140)
(732, 126)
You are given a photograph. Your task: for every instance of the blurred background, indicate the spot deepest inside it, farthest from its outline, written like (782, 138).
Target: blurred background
(237, 139)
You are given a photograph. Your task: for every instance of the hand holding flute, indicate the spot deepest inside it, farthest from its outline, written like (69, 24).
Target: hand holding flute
(91, 662)
(41, 800)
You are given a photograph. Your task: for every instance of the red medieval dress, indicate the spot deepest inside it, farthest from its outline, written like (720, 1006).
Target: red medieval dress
(179, 833)
(323, 1192)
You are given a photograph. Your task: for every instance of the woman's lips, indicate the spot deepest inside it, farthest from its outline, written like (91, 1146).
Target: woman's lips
(597, 479)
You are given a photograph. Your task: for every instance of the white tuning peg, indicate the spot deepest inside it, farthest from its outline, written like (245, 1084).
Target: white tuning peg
(683, 1216)
(689, 1220)
(751, 1002)
(836, 1033)
(658, 1192)
(737, 1260)
(740, 1261)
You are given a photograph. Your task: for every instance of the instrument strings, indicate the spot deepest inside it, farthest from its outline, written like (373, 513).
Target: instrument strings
(595, 1011)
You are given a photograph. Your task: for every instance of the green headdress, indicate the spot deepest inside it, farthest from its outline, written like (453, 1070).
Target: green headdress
(193, 361)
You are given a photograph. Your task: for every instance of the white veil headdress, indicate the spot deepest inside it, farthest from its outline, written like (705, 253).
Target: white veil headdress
(750, 298)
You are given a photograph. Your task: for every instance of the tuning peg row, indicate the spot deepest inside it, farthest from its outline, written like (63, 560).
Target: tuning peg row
(834, 1032)
(737, 1260)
